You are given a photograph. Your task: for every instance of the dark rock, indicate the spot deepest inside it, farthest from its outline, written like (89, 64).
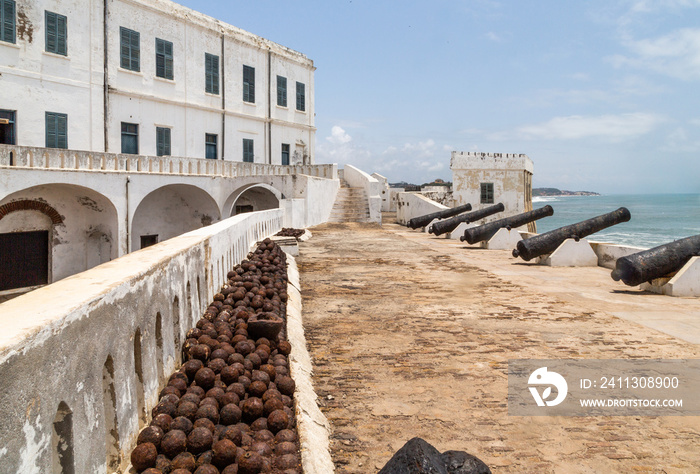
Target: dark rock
(417, 456)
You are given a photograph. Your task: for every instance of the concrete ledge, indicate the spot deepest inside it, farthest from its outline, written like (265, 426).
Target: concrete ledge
(312, 425)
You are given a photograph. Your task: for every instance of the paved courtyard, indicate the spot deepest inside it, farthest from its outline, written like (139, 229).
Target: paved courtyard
(411, 336)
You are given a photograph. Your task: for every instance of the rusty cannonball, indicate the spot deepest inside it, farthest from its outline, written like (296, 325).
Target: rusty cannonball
(230, 414)
(199, 440)
(285, 385)
(162, 421)
(286, 461)
(183, 424)
(262, 448)
(281, 370)
(230, 397)
(237, 388)
(244, 380)
(260, 375)
(170, 397)
(152, 470)
(163, 463)
(233, 433)
(144, 456)
(173, 443)
(252, 408)
(269, 369)
(190, 397)
(205, 423)
(217, 365)
(164, 408)
(271, 393)
(229, 375)
(254, 359)
(285, 447)
(272, 404)
(224, 453)
(288, 402)
(205, 458)
(259, 424)
(230, 469)
(186, 409)
(205, 378)
(180, 471)
(277, 421)
(200, 351)
(208, 411)
(286, 435)
(185, 460)
(169, 390)
(264, 435)
(262, 354)
(243, 348)
(206, 469)
(235, 358)
(257, 388)
(250, 463)
(199, 391)
(284, 347)
(209, 401)
(150, 434)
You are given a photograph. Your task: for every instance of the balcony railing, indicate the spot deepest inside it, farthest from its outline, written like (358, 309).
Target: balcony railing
(76, 160)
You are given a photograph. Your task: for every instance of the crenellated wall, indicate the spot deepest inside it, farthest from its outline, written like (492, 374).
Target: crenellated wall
(82, 360)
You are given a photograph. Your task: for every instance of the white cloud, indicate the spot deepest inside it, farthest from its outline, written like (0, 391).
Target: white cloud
(339, 136)
(676, 54)
(613, 127)
(491, 36)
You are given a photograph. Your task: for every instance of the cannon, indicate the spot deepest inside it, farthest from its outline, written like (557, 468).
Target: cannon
(422, 221)
(549, 241)
(654, 263)
(448, 225)
(486, 231)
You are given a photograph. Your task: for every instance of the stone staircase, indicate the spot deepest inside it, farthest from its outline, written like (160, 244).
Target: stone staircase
(351, 205)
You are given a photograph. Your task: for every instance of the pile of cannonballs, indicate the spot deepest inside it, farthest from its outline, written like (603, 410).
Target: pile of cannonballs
(289, 232)
(230, 407)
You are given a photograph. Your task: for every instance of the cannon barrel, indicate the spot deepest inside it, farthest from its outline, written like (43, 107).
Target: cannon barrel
(422, 221)
(448, 225)
(549, 241)
(657, 262)
(486, 231)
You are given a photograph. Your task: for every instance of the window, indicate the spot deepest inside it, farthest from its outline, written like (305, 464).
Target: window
(248, 84)
(486, 193)
(130, 41)
(130, 138)
(164, 59)
(56, 130)
(162, 141)
(211, 66)
(301, 97)
(7, 21)
(25, 259)
(248, 155)
(285, 154)
(148, 240)
(56, 33)
(211, 142)
(7, 127)
(281, 91)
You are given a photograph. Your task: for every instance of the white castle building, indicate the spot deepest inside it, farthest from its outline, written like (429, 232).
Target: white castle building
(124, 123)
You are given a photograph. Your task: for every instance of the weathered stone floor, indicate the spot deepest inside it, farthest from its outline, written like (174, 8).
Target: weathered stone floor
(411, 336)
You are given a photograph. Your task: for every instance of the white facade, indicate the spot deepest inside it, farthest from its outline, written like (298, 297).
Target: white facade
(97, 92)
(508, 176)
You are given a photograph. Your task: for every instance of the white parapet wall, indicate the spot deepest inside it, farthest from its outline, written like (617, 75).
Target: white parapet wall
(386, 194)
(357, 178)
(410, 205)
(82, 360)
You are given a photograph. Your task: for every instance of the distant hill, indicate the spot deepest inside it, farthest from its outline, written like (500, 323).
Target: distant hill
(558, 192)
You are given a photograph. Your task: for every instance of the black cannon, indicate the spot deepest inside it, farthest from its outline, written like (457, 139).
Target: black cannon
(657, 262)
(448, 225)
(422, 221)
(486, 231)
(549, 241)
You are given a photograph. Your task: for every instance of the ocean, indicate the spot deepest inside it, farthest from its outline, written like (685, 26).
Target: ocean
(656, 218)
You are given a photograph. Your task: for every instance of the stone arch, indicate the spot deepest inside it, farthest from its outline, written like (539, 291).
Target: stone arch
(170, 211)
(64, 228)
(31, 205)
(255, 196)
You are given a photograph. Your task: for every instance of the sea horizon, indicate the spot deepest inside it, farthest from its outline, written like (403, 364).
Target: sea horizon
(657, 218)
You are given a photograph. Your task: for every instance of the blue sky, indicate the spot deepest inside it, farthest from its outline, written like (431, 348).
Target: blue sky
(601, 95)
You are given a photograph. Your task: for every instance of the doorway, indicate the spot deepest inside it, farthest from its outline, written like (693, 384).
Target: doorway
(24, 259)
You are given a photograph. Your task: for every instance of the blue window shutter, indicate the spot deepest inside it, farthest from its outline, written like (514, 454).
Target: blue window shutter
(125, 43)
(248, 84)
(50, 130)
(51, 43)
(281, 91)
(62, 34)
(301, 97)
(7, 21)
(61, 131)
